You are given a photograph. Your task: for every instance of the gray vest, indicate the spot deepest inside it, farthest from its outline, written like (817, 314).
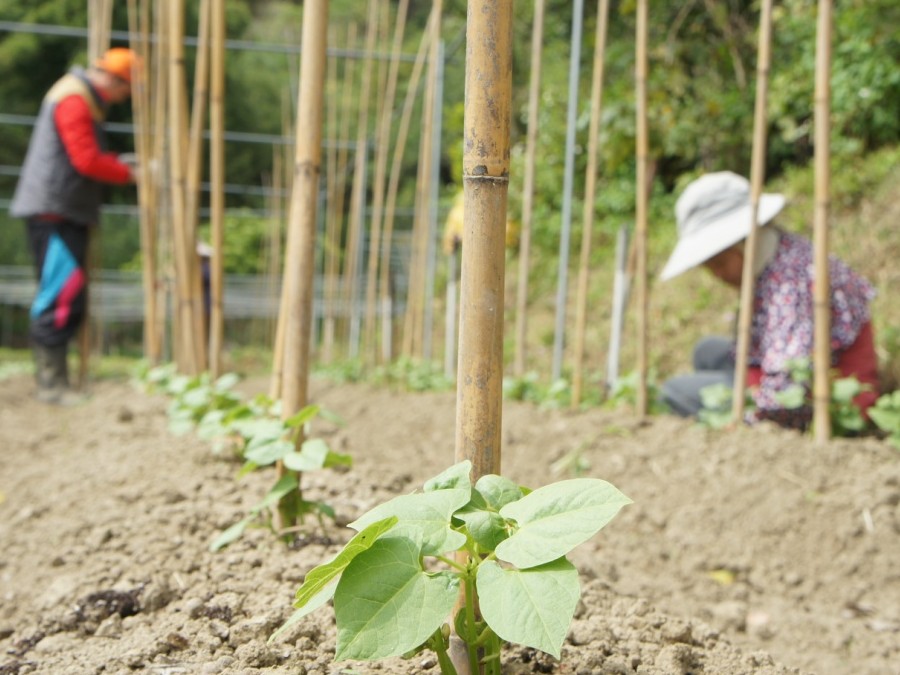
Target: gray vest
(48, 182)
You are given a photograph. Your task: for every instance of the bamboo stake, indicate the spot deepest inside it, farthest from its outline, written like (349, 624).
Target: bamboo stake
(331, 219)
(161, 190)
(302, 226)
(534, 88)
(139, 40)
(384, 284)
(194, 172)
(642, 189)
(822, 286)
(413, 326)
(486, 183)
(381, 157)
(589, 192)
(217, 186)
(185, 259)
(757, 178)
(357, 198)
(333, 292)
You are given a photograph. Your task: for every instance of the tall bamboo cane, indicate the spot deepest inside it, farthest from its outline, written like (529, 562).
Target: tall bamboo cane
(534, 90)
(485, 183)
(589, 190)
(185, 257)
(381, 157)
(641, 198)
(488, 99)
(194, 173)
(384, 285)
(413, 326)
(822, 287)
(138, 28)
(302, 226)
(757, 178)
(217, 185)
(331, 217)
(333, 291)
(358, 195)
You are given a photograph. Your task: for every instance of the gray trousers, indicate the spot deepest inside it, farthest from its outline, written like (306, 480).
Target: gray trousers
(713, 364)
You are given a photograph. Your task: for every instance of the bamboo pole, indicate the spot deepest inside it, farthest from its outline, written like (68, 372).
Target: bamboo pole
(384, 285)
(589, 192)
(329, 253)
(641, 198)
(162, 186)
(302, 225)
(534, 88)
(194, 174)
(757, 178)
(185, 258)
(413, 325)
(822, 286)
(217, 185)
(450, 320)
(138, 28)
(357, 197)
(333, 291)
(486, 183)
(380, 178)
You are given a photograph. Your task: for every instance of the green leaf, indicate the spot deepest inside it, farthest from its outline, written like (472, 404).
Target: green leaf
(233, 533)
(481, 516)
(454, 478)
(226, 381)
(792, 397)
(423, 516)
(487, 528)
(319, 599)
(268, 452)
(532, 607)
(845, 389)
(300, 418)
(386, 604)
(259, 428)
(556, 518)
(498, 491)
(319, 577)
(285, 484)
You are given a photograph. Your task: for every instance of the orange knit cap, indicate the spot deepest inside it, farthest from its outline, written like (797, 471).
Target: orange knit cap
(119, 61)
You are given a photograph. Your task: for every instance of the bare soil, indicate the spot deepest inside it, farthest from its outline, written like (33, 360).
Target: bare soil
(751, 551)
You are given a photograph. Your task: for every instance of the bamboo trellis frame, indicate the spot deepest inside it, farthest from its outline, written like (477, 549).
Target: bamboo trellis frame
(217, 183)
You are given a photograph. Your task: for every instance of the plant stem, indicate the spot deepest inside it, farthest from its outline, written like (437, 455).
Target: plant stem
(451, 563)
(440, 649)
(471, 638)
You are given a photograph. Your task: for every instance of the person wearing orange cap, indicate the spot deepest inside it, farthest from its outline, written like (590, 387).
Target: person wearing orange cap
(59, 194)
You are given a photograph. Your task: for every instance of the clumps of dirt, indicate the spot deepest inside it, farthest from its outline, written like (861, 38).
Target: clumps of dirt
(96, 607)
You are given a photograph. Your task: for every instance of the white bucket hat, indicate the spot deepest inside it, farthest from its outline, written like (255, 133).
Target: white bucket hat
(713, 213)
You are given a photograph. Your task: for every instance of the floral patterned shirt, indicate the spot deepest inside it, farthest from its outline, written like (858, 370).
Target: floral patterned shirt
(782, 325)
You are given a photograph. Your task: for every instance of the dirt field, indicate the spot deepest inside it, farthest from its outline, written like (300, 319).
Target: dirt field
(745, 552)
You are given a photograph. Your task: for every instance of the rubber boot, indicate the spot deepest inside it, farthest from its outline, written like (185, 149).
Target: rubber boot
(53, 376)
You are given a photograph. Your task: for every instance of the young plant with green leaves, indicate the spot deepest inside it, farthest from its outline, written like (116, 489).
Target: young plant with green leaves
(254, 431)
(396, 582)
(846, 417)
(886, 416)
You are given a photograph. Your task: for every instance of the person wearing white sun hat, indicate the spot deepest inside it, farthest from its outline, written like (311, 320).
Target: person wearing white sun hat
(713, 219)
